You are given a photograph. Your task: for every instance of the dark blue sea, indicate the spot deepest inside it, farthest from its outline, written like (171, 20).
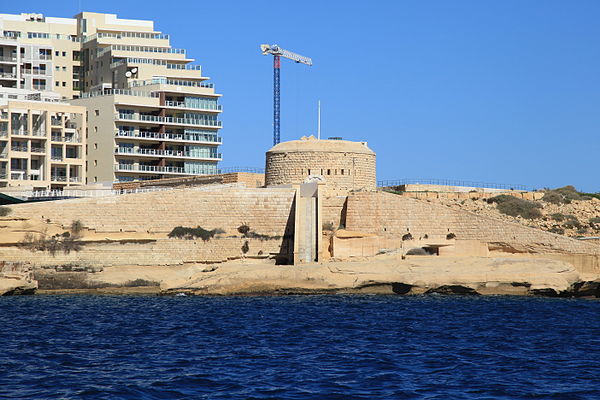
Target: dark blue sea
(298, 347)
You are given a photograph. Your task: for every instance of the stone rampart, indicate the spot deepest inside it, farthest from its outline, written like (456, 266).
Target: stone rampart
(265, 211)
(164, 252)
(533, 196)
(391, 215)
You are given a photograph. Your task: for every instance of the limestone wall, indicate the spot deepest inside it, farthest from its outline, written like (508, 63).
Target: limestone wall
(266, 211)
(390, 215)
(469, 195)
(346, 171)
(161, 252)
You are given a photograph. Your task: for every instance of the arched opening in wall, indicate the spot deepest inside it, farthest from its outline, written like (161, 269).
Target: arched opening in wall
(328, 172)
(308, 171)
(342, 172)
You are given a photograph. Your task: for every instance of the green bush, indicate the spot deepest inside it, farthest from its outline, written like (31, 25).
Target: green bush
(516, 207)
(595, 220)
(4, 211)
(558, 217)
(76, 226)
(564, 195)
(557, 229)
(193, 233)
(64, 242)
(243, 229)
(572, 224)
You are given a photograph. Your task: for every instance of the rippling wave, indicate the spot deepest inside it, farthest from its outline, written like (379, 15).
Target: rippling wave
(298, 347)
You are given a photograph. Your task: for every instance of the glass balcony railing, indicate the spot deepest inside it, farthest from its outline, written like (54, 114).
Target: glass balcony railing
(181, 104)
(58, 178)
(213, 139)
(8, 59)
(19, 148)
(150, 168)
(166, 153)
(8, 75)
(174, 82)
(171, 120)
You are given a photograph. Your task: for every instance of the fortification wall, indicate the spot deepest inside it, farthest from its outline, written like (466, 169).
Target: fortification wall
(164, 252)
(390, 215)
(345, 171)
(469, 195)
(266, 211)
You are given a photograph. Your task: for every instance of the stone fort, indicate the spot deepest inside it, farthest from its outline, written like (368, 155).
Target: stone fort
(319, 201)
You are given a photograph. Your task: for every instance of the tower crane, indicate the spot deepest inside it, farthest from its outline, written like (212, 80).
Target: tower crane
(277, 53)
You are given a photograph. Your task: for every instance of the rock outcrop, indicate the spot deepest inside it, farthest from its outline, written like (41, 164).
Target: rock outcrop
(16, 278)
(415, 275)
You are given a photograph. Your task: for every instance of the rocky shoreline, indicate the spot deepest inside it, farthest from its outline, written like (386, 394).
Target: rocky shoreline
(387, 274)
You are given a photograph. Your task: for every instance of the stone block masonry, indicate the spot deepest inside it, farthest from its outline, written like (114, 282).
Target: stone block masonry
(391, 215)
(266, 211)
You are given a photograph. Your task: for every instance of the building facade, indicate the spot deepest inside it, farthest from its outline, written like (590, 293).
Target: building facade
(42, 141)
(156, 131)
(40, 53)
(151, 113)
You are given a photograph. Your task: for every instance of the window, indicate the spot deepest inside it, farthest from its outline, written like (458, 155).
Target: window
(95, 129)
(57, 83)
(95, 163)
(64, 53)
(95, 179)
(57, 68)
(95, 148)
(97, 112)
(64, 69)
(64, 84)
(56, 53)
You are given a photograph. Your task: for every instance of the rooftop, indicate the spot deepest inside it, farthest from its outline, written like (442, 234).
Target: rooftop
(313, 144)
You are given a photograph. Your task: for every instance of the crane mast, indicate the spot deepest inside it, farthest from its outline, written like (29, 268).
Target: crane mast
(277, 53)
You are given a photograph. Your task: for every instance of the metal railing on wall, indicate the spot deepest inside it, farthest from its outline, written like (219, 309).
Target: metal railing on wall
(451, 182)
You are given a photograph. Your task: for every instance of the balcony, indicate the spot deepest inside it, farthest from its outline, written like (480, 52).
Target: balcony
(66, 139)
(174, 82)
(58, 178)
(8, 59)
(74, 179)
(181, 104)
(55, 121)
(151, 168)
(8, 75)
(18, 175)
(56, 157)
(38, 149)
(170, 120)
(19, 148)
(154, 136)
(166, 153)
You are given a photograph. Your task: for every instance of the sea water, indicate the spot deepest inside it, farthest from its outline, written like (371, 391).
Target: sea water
(298, 347)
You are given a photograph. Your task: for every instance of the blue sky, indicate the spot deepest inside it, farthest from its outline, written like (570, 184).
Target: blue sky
(496, 91)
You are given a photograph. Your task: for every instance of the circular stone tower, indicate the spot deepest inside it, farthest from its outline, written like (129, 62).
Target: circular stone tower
(344, 165)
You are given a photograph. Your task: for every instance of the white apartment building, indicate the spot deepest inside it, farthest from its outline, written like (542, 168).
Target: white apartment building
(42, 141)
(150, 112)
